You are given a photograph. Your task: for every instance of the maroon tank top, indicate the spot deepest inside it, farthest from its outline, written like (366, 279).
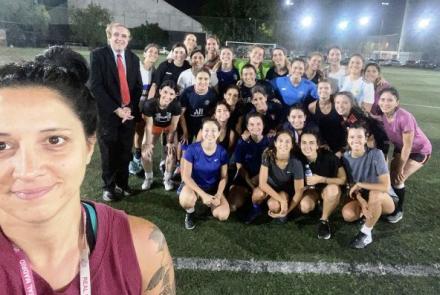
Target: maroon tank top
(114, 268)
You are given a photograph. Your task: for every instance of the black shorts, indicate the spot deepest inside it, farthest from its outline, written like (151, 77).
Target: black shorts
(419, 158)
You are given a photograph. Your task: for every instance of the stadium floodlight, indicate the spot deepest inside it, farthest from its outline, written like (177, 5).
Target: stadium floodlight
(385, 3)
(343, 25)
(363, 21)
(424, 23)
(306, 21)
(289, 2)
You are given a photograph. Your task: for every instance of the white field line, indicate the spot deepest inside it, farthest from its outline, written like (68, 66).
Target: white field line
(420, 105)
(292, 267)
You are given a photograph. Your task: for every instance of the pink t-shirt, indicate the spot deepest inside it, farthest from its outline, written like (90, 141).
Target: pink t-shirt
(114, 268)
(403, 122)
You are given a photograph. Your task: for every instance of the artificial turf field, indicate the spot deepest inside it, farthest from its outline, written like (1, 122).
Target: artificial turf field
(415, 241)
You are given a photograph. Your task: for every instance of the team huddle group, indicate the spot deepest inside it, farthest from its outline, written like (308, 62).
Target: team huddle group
(285, 138)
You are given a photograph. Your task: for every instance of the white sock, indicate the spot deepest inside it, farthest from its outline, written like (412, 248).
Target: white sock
(399, 186)
(190, 210)
(149, 175)
(167, 175)
(366, 230)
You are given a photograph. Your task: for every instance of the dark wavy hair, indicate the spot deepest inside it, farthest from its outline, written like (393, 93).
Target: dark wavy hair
(63, 71)
(271, 151)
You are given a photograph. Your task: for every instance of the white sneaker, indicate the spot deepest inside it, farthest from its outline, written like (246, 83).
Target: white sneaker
(146, 185)
(168, 184)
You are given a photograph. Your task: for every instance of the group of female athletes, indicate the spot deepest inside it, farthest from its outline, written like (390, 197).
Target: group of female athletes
(293, 137)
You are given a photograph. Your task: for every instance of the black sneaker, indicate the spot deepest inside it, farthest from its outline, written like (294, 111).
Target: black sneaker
(189, 222)
(252, 215)
(280, 220)
(324, 231)
(361, 241)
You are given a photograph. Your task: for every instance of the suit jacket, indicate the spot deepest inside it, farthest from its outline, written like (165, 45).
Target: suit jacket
(104, 84)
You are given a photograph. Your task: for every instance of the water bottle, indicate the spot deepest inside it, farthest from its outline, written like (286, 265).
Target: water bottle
(308, 172)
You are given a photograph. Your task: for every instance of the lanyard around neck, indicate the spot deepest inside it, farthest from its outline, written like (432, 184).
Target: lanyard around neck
(84, 267)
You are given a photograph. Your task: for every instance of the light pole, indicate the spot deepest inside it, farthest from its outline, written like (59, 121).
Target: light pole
(403, 30)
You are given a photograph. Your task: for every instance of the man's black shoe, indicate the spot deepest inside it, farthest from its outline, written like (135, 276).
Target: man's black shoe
(108, 196)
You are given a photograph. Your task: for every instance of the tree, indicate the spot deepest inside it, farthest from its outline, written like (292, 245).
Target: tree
(244, 20)
(24, 20)
(148, 33)
(88, 24)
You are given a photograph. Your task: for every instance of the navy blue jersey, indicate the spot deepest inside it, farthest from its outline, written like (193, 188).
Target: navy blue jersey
(227, 78)
(249, 153)
(197, 107)
(206, 170)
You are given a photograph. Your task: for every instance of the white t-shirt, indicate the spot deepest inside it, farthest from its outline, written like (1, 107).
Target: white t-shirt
(362, 90)
(339, 75)
(186, 79)
(146, 77)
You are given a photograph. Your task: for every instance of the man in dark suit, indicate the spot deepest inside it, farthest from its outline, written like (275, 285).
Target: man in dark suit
(116, 83)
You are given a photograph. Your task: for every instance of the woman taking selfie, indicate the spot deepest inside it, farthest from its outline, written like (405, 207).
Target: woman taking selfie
(51, 242)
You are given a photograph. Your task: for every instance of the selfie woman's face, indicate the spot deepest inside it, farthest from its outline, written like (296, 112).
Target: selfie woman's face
(43, 154)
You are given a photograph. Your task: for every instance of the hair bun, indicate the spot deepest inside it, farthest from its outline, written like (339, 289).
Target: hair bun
(66, 60)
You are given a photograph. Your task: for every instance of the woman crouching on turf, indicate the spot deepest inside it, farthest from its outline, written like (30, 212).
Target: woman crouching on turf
(281, 180)
(205, 174)
(412, 148)
(371, 193)
(161, 116)
(328, 175)
(248, 161)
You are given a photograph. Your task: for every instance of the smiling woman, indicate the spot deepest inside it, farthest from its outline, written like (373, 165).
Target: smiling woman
(50, 241)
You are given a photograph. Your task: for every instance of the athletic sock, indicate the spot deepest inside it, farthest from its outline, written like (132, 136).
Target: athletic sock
(137, 153)
(167, 175)
(149, 175)
(366, 230)
(190, 210)
(400, 192)
(256, 207)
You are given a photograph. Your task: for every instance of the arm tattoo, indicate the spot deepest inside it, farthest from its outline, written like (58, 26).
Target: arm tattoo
(162, 276)
(157, 277)
(168, 287)
(157, 236)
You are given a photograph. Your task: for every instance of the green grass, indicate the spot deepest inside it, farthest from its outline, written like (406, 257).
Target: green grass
(197, 283)
(415, 240)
